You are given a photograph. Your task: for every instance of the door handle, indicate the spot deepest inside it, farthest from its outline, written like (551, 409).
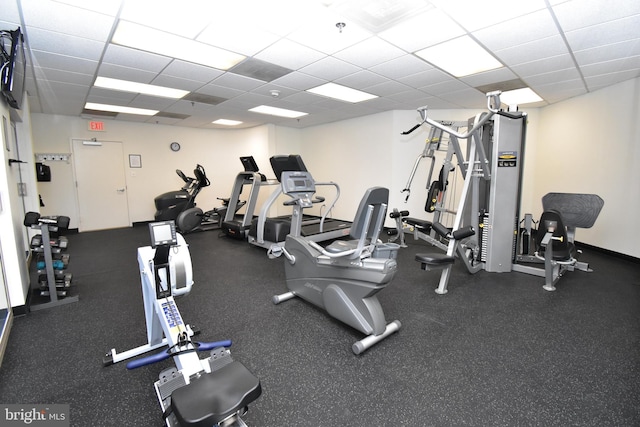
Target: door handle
(121, 190)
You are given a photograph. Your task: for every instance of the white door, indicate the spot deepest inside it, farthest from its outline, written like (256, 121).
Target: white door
(100, 185)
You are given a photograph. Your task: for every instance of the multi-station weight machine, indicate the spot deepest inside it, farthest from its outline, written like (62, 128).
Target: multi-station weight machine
(485, 232)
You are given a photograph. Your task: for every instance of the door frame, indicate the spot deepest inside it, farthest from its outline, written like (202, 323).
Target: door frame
(75, 177)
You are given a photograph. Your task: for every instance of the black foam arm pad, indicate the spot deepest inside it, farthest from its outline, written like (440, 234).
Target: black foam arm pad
(440, 229)
(463, 232)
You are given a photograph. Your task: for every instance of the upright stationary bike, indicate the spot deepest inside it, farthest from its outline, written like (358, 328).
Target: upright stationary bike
(215, 391)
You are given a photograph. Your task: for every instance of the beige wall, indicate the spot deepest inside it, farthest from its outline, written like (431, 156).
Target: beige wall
(586, 144)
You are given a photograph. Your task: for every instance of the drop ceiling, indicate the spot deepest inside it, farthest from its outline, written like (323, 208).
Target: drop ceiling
(558, 48)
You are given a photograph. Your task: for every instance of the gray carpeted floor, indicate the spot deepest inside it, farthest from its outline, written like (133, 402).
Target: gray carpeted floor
(497, 350)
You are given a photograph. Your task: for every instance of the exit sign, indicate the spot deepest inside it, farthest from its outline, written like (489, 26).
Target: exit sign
(96, 126)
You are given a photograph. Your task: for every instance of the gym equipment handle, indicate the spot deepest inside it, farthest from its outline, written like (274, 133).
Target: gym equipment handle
(317, 199)
(165, 354)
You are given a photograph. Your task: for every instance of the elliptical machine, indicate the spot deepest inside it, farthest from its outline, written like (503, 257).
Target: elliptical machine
(215, 391)
(180, 205)
(344, 277)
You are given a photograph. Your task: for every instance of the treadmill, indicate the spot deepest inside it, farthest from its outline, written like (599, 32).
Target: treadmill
(266, 232)
(234, 225)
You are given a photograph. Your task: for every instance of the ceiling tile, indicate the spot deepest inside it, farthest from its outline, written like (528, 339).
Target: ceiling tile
(542, 66)
(234, 81)
(468, 98)
(167, 16)
(50, 41)
(603, 34)
(370, 52)
(63, 62)
(555, 76)
(195, 72)
(289, 54)
(125, 73)
(388, 89)
(105, 7)
(553, 92)
(530, 27)
(424, 30)
(577, 14)
(361, 79)
(324, 36)
(494, 76)
(603, 80)
(330, 68)
(73, 47)
(176, 82)
(423, 78)
(244, 39)
(608, 52)
(300, 81)
(70, 20)
(614, 66)
(132, 58)
(473, 15)
(443, 88)
(62, 76)
(401, 67)
(531, 51)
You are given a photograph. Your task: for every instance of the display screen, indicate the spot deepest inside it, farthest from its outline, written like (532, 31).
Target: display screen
(163, 233)
(13, 68)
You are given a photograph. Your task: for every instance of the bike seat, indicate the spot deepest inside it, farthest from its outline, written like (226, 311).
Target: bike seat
(215, 396)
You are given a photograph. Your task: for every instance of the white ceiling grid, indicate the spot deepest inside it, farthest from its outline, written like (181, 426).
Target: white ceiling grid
(559, 48)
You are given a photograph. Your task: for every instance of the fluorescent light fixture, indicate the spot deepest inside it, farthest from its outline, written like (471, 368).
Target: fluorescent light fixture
(275, 111)
(226, 122)
(127, 86)
(519, 97)
(155, 41)
(343, 93)
(460, 57)
(119, 109)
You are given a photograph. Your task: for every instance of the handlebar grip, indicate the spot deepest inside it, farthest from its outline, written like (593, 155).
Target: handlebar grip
(148, 360)
(510, 115)
(205, 346)
(165, 354)
(407, 132)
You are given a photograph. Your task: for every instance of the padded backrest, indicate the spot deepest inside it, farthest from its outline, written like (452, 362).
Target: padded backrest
(577, 210)
(376, 197)
(551, 221)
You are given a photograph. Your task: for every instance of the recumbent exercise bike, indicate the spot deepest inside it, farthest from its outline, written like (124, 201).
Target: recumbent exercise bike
(344, 277)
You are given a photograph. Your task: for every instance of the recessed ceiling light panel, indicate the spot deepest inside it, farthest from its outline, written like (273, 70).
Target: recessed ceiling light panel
(226, 122)
(275, 111)
(120, 109)
(127, 86)
(460, 57)
(343, 93)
